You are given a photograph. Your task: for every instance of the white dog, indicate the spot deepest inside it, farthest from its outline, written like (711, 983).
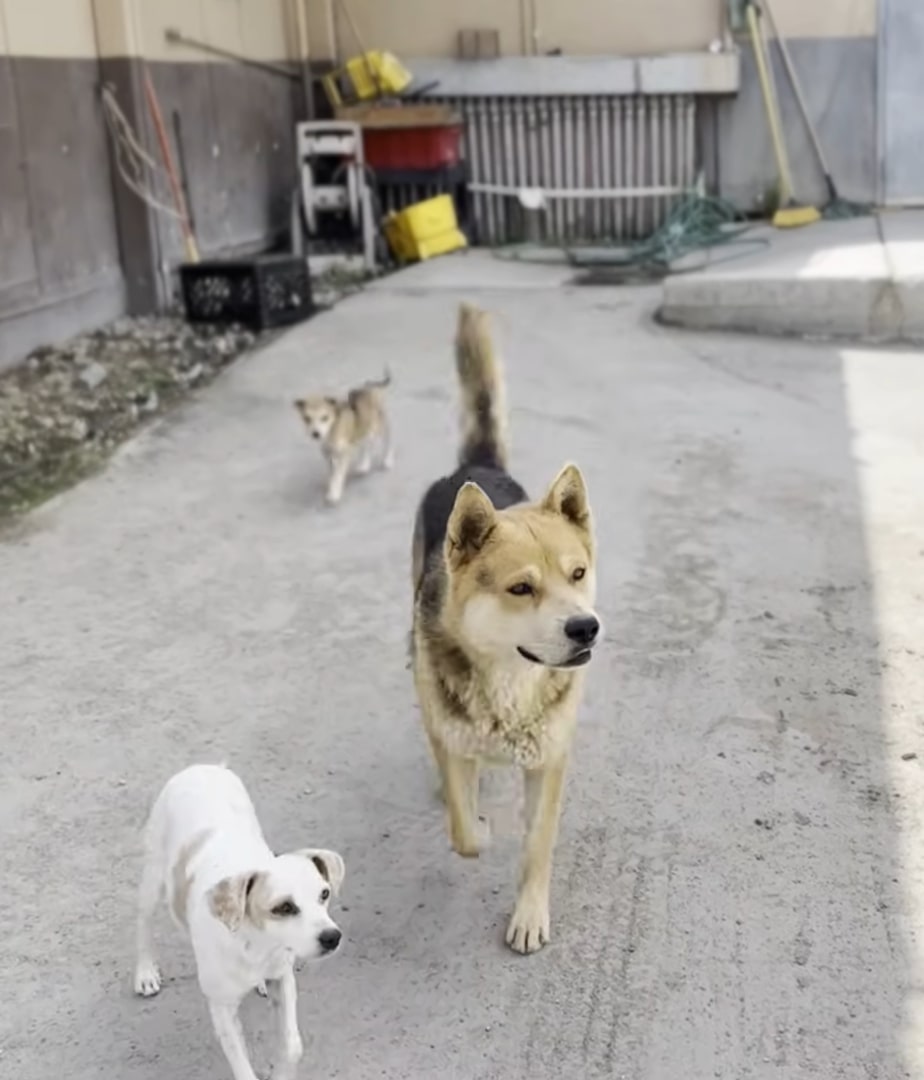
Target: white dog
(250, 914)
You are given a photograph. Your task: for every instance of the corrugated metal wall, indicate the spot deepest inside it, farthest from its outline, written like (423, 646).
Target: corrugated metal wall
(578, 142)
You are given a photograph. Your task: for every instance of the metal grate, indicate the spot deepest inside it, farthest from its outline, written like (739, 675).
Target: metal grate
(577, 142)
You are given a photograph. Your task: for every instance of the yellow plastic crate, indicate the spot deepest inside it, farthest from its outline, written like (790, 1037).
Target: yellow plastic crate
(424, 230)
(371, 75)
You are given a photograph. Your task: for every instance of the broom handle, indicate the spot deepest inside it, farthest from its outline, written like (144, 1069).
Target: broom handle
(796, 87)
(192, 251)
(773, 119)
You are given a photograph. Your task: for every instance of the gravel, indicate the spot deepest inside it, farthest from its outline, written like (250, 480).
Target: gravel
(66, 408)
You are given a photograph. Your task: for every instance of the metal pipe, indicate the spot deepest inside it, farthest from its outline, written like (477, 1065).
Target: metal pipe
(654, 191)
(304, 58)
(176, 38)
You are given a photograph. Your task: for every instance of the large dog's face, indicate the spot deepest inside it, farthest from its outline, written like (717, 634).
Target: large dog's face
(318, 415)
(287, 902)
(521, 581)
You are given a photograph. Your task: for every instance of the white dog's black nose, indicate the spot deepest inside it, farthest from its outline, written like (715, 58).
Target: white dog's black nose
(582, 629)
(329, 939)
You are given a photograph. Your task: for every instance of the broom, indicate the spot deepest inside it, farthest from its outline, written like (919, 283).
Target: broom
(790, 213)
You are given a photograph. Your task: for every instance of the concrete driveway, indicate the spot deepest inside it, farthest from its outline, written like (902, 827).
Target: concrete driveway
(739, 881)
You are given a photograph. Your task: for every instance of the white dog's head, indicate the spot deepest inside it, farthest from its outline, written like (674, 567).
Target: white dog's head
(288, 902)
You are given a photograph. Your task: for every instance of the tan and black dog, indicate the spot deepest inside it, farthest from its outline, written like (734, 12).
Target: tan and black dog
(350, 431)
(504, 623)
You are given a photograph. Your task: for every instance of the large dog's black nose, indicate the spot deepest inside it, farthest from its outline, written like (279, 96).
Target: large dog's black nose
(582, 629)
(329, 939)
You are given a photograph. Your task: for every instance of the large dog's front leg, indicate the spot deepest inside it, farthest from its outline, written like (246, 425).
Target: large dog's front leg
(459, 777)
(528, 930)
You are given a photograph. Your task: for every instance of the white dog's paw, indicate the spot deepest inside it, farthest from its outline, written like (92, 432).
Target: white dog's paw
(147, 979)
(528, 929)
(285, 1067)
(332, 498)
(364, 467)
(261, 989)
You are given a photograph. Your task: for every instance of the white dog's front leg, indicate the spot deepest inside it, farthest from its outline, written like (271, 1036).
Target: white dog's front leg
(231, 1036)
(285, 996)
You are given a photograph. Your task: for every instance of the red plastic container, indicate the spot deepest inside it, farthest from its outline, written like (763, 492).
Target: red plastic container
(413, 147)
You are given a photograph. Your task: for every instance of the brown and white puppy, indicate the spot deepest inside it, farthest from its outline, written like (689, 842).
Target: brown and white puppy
(350, 431)
(504, 623)
(250, 914)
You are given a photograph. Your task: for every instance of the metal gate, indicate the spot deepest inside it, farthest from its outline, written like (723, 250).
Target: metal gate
(901, 94)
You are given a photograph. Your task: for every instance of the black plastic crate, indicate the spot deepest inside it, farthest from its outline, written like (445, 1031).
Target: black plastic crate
(266, 291)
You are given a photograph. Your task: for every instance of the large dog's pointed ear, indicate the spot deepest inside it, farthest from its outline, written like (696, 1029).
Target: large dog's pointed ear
(567, 496)
(471, 522)
(329, 865)
(228, 899)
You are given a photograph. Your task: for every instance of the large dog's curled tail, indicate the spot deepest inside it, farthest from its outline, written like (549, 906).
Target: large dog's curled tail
(484, 413)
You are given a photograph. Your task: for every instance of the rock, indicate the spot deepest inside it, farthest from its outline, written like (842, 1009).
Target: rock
(93, 375)
(80, 429)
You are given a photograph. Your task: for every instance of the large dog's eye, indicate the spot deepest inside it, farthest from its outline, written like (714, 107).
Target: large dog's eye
(522, 588)
(578, 574)
(325, 895)
(286, 909)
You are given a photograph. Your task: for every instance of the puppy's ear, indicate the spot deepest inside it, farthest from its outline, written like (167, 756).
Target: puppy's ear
(329, 865)
(567, 496)
(471, 522)
(228, 899)
(299, 404)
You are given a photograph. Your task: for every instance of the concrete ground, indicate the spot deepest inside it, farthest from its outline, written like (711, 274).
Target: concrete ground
(740, 877)
(860, 278)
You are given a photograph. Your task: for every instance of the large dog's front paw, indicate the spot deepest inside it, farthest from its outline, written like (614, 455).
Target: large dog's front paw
(470, 840)
(528, 929)
(147, 978)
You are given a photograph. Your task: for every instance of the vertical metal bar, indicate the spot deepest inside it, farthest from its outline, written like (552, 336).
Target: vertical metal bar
(557, 177)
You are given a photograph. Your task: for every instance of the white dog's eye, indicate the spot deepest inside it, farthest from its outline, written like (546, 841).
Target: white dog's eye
(325, 895)
(522, 588)
(286, 909)
(578, 574)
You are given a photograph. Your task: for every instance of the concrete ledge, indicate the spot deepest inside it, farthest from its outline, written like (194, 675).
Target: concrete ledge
(832, 279)
(564, 76)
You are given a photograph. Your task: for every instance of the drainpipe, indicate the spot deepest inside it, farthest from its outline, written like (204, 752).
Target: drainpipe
(304, 57)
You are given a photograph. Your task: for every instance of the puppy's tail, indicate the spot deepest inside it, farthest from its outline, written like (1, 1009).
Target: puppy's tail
(481, 378)
(380, 384)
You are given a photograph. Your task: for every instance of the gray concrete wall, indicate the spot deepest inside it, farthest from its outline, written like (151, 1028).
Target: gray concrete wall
(838, 76)
(77, 247)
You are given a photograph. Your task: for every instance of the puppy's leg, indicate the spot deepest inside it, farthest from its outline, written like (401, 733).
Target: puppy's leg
(528, 929)
(147, 977)
(339, 467)
(388, 445)
(284, 996)
(231, 1036)
(364, 465)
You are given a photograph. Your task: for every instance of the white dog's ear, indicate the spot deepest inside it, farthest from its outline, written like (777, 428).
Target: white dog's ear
(330, 866)
(228, 899)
